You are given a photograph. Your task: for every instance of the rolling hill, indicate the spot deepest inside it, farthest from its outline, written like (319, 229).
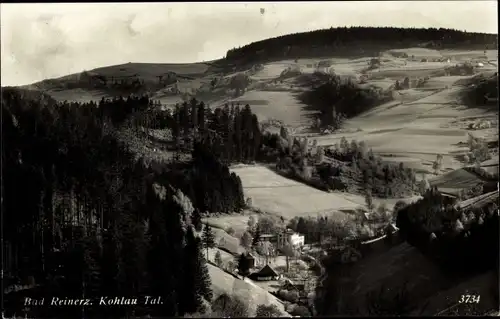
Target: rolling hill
(412, 127)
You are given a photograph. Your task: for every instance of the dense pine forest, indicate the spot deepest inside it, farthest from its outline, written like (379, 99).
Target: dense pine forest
(84, 219)
(356, 41)
(87, 218)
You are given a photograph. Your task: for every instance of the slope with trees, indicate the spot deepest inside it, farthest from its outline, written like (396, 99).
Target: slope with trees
(356, 41)
(85, 219)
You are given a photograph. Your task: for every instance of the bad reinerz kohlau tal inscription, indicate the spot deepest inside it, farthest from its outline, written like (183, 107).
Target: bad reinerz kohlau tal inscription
(100, 301)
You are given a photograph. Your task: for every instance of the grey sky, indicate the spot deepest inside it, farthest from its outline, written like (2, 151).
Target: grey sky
(40, 41)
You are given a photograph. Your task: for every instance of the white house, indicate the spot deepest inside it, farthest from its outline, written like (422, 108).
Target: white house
(296, 240)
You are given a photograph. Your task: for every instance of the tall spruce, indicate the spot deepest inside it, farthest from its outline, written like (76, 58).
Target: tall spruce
(196, 220)
(196, 282)
(208, 238)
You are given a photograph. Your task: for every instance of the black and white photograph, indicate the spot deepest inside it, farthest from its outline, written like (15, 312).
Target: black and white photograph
(249, 159)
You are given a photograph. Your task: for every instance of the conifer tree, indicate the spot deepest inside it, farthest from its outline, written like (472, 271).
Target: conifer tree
(243, 265)
(208, 238)
(196, 220)
(256, 236)
(196, 282)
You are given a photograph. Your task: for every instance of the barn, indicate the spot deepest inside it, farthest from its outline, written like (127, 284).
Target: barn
(265, 274)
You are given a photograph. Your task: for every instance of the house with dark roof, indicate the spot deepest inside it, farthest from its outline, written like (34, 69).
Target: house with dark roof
(250, 259)
(267, 273)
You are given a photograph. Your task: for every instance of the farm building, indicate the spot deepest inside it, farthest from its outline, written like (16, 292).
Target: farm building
(265, 274)
(296, 240)
(250, 259)
(289, 236)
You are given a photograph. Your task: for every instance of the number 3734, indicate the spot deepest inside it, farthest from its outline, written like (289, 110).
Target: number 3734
(469, 299)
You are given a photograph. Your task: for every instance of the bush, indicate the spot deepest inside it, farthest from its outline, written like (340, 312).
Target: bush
(300, 311)
(457, 234)
(345, 96)
(229, 306)
(268, 311)
(289, 295)
(230, 231)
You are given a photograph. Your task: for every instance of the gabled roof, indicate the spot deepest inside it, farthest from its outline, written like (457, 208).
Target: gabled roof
(267, 271)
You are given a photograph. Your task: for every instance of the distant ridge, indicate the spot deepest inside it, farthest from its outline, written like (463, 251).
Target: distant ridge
(361, 41)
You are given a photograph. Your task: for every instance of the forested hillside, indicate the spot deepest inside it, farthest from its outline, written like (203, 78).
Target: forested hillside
(356, 41)
(462, 241)
(84, 219)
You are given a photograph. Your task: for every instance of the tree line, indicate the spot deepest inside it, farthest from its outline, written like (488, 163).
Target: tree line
(338, 99)
(460, 240)
(232, 133)
(346, 166)
(349, 41)
(84, 219)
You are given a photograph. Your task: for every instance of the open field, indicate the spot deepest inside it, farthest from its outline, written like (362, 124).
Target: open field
(418, 130)
(284, 197)
(454, 181)
(225, 256)
(281, 106)
(491, 165)
(77, 95)
(250, 294)
(275, 194)
(237, 222)
(389, 202)
(418, 118)
(227, 242)
(480, 201)
(149, 71)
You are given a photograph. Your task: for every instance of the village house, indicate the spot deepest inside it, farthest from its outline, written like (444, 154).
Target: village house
(290, 237)
(296, 240)
(267, 273)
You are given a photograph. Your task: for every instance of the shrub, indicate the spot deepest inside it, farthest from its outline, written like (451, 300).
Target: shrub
(230, 231)
(346, 97)
(289, 295)
(229, 306)
(300, 311)
(268, 311)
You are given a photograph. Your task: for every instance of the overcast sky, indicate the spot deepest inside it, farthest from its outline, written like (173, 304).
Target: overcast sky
(40, 41)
